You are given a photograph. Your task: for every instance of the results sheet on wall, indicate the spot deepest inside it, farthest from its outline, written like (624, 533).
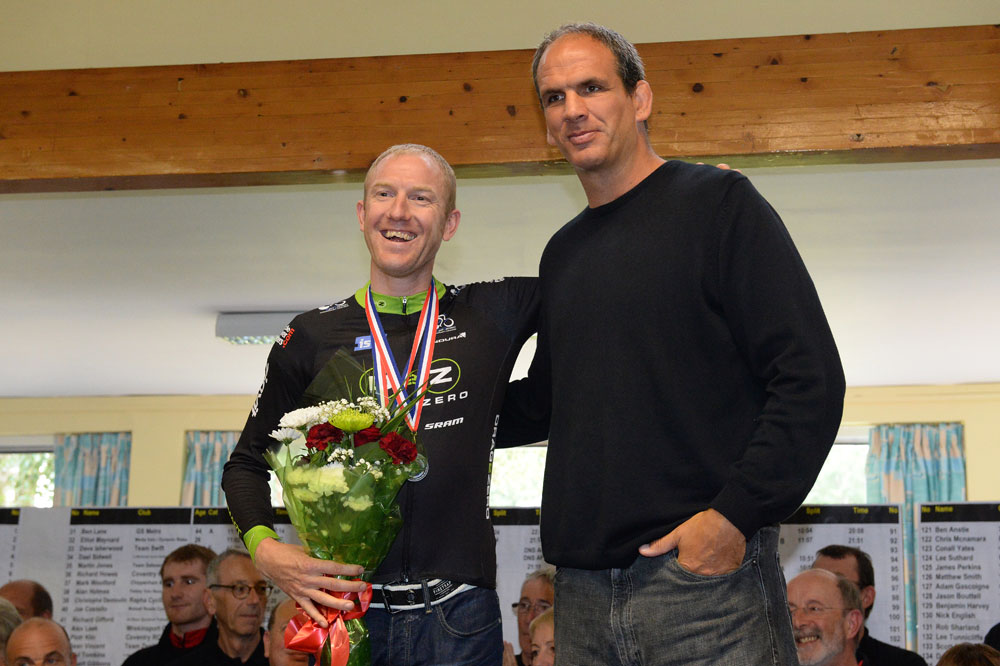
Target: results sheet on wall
(958, 574)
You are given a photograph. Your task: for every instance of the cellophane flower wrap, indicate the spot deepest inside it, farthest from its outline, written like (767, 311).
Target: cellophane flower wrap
(341, 466)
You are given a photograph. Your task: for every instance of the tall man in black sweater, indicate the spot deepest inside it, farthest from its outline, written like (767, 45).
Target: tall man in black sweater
(688, 378)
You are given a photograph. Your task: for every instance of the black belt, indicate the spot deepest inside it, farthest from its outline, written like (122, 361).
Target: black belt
(409, 596)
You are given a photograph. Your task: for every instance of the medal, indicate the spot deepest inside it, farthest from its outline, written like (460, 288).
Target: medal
(389, 381)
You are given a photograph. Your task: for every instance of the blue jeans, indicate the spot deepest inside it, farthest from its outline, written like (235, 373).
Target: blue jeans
(657, 613)
(462, 631)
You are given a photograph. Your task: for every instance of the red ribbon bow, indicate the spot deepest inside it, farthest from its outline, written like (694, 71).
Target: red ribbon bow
(304, 635)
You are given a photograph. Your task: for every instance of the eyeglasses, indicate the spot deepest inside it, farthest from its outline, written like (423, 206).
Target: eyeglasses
(525, 607)
(812, 610)
(241, 591)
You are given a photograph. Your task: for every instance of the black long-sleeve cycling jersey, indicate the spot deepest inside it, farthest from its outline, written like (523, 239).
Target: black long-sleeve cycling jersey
(446, 531)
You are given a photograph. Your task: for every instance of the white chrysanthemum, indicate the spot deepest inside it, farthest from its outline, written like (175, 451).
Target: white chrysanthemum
(345, 527)
(306, 417)
(329, 479)
(358, 503)
(285, 435)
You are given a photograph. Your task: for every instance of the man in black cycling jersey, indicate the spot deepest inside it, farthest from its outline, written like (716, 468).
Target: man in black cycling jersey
(435, 599)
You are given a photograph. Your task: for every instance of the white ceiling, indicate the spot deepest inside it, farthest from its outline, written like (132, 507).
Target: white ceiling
(117, 293)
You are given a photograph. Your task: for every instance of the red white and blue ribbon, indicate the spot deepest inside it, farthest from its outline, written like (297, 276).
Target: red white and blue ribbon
(388, 378)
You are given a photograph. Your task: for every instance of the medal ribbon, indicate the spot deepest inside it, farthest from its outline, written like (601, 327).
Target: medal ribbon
(387, 376)
(304, 635)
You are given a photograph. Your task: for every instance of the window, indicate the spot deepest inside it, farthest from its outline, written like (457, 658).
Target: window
(842, 479)
(518, 472)
(27, 471)
(517, 476)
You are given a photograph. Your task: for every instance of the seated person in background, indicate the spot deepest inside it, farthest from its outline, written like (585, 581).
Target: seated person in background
(274, 637)
(993, 637)
(38, 641)
(29, 597)
(970, 654)
(543, 644)
(9, 618)
(237, 596)
(826, 618)
(537, 594)
(183, 574)
(856, 566)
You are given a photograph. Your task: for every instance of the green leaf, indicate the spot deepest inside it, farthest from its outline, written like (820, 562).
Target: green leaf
(371, 452)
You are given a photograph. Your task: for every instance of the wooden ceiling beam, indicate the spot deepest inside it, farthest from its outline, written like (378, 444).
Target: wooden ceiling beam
(906, 95)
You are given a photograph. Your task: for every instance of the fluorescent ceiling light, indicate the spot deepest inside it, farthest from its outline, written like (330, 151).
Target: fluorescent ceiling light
(251, 328)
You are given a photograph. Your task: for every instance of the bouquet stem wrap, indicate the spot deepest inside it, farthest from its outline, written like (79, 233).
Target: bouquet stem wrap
(333, 645)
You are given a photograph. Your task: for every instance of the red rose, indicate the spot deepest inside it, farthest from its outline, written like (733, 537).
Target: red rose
(401, 449)
(369, 434)
(322, 435)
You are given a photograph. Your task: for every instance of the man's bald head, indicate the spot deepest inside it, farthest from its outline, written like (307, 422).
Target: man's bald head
(29, 597)
(38, 641)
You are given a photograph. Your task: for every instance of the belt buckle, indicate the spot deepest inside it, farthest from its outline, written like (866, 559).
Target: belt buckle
(392, 598)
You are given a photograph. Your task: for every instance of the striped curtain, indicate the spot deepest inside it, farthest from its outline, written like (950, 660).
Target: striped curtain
(908, 464)
(207, 452)
(91, 469)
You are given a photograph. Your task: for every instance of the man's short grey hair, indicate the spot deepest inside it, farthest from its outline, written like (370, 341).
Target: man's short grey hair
(630, 68)
(212, 572)
(451, 184)
(545, 572)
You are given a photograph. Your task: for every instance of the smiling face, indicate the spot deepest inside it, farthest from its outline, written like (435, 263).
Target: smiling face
(404, 217)
(183, 592)
(588, 114)
(240, 618)
(824, 631)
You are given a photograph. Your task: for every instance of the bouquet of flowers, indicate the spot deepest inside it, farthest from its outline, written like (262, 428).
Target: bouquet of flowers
(341, 467)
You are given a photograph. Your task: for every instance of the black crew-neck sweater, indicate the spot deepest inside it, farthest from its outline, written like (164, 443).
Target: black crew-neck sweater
(689, 363)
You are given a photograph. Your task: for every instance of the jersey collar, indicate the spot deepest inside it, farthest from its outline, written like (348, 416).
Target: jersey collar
(397, 304)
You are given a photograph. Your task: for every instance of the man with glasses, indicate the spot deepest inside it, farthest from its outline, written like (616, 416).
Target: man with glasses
(537, 595)
(237, 595)
(855, 565)
(826, 618)
(183, 575)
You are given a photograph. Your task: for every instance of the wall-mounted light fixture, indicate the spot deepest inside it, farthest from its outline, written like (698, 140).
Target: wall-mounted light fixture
(251, 328)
